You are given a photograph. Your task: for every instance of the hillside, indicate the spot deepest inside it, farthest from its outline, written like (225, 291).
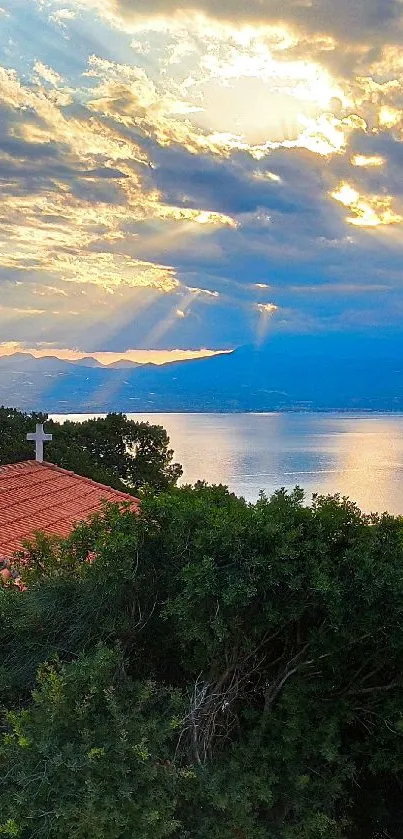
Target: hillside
(287, 374)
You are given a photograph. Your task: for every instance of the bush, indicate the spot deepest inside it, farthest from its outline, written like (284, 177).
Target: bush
(221, 670)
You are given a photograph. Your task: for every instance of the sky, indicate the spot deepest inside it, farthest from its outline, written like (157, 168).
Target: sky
(179, 178)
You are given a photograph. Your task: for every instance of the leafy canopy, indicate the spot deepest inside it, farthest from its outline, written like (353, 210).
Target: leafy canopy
(113, 450)
(220, 670)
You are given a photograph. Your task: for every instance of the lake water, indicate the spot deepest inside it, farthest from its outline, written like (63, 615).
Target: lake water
(360, 456)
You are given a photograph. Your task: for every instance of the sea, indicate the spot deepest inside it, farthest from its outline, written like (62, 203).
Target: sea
(355, 455)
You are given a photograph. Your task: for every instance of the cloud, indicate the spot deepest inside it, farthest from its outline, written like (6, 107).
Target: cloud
(182, 176)
(62, 16)
(367, 160)
(266, 308)
(368, 211)
(352, 22)
(47, 73)
(67, 200)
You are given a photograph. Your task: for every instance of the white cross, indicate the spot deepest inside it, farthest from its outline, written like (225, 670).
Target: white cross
(39, 438)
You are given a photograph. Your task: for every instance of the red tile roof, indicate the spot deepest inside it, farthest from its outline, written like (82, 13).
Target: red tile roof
(43, 497)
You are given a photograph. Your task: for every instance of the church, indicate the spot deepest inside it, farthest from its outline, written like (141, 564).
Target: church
(39, 497)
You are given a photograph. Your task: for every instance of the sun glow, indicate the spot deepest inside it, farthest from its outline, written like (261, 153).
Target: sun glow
(286, 95)
(210, 72)
(389, 117)
(346, 195)
(139, 356)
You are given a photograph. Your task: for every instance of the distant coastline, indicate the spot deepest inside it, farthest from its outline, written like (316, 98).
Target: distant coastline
(288, 379)
(219, 412)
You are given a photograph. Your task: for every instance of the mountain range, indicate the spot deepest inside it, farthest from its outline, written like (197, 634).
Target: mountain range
(316, 373)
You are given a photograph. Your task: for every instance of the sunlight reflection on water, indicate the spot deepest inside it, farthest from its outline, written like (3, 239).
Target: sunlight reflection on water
(356, 455)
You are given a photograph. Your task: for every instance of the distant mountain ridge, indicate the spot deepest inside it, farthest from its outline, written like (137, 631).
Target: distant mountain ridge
(340, 373)
(87, 361)
(27, 358)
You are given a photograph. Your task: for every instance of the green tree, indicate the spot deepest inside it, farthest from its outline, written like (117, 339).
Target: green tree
(257, 648)
(98, 740)
(14, 427)
(115, 450)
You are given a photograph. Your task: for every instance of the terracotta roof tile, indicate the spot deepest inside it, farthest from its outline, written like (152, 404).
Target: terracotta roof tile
(43, 497)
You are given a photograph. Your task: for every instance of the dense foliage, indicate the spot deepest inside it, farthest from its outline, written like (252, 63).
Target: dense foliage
(218, 670)
(113, 450)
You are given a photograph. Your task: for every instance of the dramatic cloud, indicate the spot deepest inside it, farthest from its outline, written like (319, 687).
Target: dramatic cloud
(351, 21)
(190, 175)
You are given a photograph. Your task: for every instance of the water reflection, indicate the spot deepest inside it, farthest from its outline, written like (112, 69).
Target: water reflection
(369, 456)
(359, 456)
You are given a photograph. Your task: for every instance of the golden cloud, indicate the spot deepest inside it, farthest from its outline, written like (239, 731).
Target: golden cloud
(209, 110)
(266, 308)
(364, 160)
(46, 73)
(389, 116)
(10, 312)
(369, 210)
(71, 236)
(113, 270)
(364, 23)
(90, 216)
